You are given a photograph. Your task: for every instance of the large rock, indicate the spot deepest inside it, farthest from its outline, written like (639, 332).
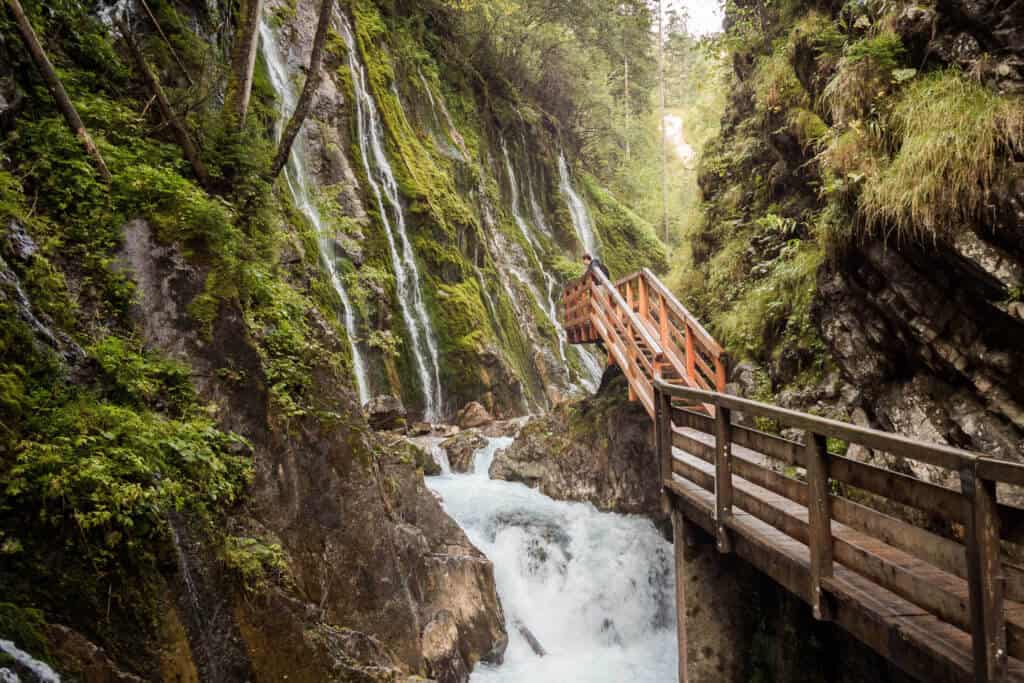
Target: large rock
(599, 450)
(371, 557)
(473, 415)
(461, 448)
(385, 413)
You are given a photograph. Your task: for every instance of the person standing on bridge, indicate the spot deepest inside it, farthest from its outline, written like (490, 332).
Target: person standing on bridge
(592, 263)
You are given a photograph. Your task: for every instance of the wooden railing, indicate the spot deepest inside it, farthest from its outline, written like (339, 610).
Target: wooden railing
(915, 584)
(646, 331)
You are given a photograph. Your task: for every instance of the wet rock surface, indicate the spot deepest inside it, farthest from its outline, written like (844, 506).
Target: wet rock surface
(367, 546)
(598, 450)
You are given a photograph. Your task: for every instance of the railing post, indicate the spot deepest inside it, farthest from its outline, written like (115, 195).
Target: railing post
(663, 321)
(984, 577)
(644, 295)
(723, 477)
(663, 437)
(691, 361)
(819, 517)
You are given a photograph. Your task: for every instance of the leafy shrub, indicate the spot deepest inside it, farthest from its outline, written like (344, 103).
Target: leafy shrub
(254, 561)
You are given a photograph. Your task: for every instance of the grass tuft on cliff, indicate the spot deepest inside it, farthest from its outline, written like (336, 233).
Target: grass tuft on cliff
(950, 132)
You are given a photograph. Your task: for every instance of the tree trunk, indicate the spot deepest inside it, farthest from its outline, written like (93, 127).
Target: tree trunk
(664, 141)
(313, 78)
(167, 41)
(243, 62)
(60, 95)
(175, 123)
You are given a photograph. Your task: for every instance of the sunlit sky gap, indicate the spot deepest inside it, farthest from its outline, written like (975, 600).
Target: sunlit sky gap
(705, 15)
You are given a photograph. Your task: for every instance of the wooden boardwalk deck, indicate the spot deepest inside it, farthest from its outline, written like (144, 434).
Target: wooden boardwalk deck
(943, 603)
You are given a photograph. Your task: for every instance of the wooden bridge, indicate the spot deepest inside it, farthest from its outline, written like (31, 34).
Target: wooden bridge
(942, 598)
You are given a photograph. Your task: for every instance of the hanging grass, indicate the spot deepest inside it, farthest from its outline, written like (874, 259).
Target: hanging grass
(952, 135)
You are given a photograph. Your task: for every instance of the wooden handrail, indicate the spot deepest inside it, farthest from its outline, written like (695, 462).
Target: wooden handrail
(975, 506)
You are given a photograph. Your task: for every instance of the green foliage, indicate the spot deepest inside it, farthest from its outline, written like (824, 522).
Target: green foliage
(776, 86)
(133, 377)
(628, 242)
(254, 561)
(26, 629)
(952, 136)
(778, 306)
(865, 75)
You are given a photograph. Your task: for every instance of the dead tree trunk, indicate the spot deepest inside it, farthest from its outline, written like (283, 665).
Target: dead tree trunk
(175, 123)
(243, 62)
(53, 83)
(313, 78)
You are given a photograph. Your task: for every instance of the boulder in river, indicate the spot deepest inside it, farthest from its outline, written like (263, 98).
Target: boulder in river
(461, 448)
(385, 413)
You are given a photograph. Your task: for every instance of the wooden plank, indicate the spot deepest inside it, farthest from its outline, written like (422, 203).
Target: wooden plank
(936, 500)
(723, 478)
(984, 577)
(789, 452)
(679, 310)
(933, 454)
(1001, 470)
(820, 519)
(939, 592)
(663, 425)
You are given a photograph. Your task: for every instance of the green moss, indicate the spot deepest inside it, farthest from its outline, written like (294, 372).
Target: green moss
(864, 77)
(26, 629)
(628, 242)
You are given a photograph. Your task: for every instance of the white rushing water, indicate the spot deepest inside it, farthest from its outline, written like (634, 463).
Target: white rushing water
(41, 670)
(546, 300)
(299, 180)
(594, 589)
(577, 209)
(423, 343)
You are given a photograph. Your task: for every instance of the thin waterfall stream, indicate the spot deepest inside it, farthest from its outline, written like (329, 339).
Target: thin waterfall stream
(392, 216)
(594, 590)
(298, 178)
(577, 209)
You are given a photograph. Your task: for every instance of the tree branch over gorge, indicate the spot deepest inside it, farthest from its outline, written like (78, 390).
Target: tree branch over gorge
(56, 88)
(314, 76)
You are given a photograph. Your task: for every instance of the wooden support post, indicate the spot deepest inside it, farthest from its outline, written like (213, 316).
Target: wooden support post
(679, 536)
(663, 438)
(691, 361)
(663, 321)
(985, 578)
(721, 372)
(819, 521)
(644, 295)
(723, 477)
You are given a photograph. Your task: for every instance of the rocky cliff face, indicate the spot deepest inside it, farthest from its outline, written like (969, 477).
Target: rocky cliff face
(870, 269)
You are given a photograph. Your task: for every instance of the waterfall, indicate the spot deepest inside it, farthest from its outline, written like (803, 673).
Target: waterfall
(593, 590)
(545, 301)
(298, 178)
(577, 209)
(42, 671)
(403, 260)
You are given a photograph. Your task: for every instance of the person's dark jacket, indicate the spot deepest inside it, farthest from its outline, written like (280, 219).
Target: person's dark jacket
(596, 263)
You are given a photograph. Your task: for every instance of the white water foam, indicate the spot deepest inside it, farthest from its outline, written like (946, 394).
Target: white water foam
(41, 670)
(595, 589)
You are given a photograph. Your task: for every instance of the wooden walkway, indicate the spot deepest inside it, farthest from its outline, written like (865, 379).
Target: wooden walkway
(944, 601)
